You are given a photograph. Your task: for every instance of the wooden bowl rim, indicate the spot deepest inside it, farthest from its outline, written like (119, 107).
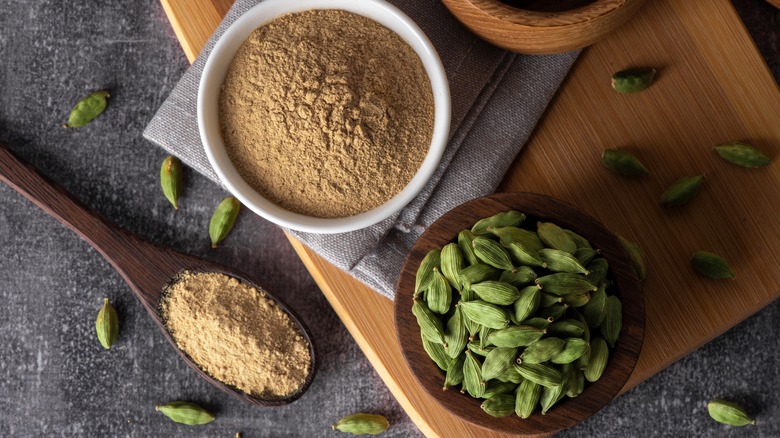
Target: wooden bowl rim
(568, 412)
(524, 17)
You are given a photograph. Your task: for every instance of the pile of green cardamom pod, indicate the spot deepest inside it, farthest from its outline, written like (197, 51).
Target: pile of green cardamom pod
(516, 317)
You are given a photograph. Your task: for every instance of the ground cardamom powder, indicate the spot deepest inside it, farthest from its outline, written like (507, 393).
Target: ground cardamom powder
(326, 113)
(236, 334)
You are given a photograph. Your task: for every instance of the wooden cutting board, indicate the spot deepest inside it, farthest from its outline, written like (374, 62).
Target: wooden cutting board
(713, 87)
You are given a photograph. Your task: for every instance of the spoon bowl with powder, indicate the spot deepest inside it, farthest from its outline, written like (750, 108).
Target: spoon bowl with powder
(235, 334)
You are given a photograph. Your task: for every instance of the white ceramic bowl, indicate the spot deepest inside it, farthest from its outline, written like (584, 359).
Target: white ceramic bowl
(216, 69)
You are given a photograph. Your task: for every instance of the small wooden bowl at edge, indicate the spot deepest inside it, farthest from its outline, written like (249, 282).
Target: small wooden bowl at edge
(568, 411)
(541, 33)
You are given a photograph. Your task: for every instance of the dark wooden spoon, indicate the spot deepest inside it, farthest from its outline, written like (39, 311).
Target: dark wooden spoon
(147, 268)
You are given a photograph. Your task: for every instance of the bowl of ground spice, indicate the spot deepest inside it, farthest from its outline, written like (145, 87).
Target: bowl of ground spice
(324, 116)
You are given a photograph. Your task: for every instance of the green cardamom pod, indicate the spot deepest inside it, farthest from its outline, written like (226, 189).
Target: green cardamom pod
(496, 387)
(542, 350)
(526, 304)
(730, 413)
(682, 191)
(451, 264)
(87, 109)
(599, 355)
(525, 256)
(492, 253)
(598, 268)
(562, 261)
(544, 375)
(476, 274)
(171, 180)
(484, 332)
(711, 265)
(454, 373)
(623, 163)
(471, 327)
(636, 255)
(362, 424)
(485, 314)
(539, 322)
(496, 292)
(518, 277)
(742, 154)
(613, 320)
(584, 324)
(551, 395)
(581, 242)
(478, 349)
(577, 300)
(554, 312)
(223, 219)
(430, 324)
(572, 350)
(550, 299)
(526, 398)
(513, 235)
(596, 309)
(633, 80)
(555, 237)
(585, 255)
(439, 296)
(499, 405)
(107, 325)
(575, 380)
(436, 352)
(465, 239)
(455, 336)
(497, 361)
(567, 328)
(425, 272)
(186, 413)
(500, 220)
(516, 336)
(564, 283)
(472, 376)
(510, 375)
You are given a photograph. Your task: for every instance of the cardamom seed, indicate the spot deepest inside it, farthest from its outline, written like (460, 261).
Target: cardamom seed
(455, 335)
(585, 255)
(186, 413)
(425, 271)
(613, 320)
(555, 237)
(596, 309)
(623, 163)
(572, 350)
(742, 154)
(465, 239)
(526, 304)
(729, 413)
(171, 180)
(495, 387)
(551, 395)
(472, 376)
(598, 268)
(518, 277)
(436, 352)
(542, 350)
(499, 405)
(567, 328)
(599, 355)
(476, 274)
(633, 80)
(496, 292)
(452, 264)
(682, 191)
(711, 265)
(491, 253)
(430, 325)
(439, 295)
(497, 361)
(577, 300)
(563, 283)
(362, 424)
(485, 314)
(562, 261)
(516, 336)
(87, 109)
(635, 254)
(107, 325)
(575, 380)
(500, 220)
(454, 372)
(526, 398)
(223, 219)
(544, 375)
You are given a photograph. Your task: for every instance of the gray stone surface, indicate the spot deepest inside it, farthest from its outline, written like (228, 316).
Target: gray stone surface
(56, 380)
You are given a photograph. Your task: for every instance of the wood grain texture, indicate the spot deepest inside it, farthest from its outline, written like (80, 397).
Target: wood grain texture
(145, 267)
(713, 86)
(537, 208)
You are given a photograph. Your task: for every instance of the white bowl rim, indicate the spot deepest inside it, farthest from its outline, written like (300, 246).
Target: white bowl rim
(208, 122)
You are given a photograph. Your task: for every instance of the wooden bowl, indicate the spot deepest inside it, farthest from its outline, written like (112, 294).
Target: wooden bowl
(543, 27)
(626, 285)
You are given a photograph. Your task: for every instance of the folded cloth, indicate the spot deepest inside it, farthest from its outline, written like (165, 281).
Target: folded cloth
(497, 99)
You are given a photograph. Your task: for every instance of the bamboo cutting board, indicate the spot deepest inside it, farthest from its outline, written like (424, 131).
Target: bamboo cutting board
(713, 87)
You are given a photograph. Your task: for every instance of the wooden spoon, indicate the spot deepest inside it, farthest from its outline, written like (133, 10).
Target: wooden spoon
(147, 268)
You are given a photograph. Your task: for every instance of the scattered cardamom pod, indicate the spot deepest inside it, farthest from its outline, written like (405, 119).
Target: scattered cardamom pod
(682, 191)
(527, 303)
(107, 325)
(425, 271)
(171, 180)
(465, 239)
(223, 219)
(436, 352)
(528, 394)
(87, 109)
(742, 154)
(500, 220)
(497, 361)
(597, 362)
(499, 405)
(564, 283)
(430, 325)
(186, 413)
(496, 292)
(452, 264)
(455, 335)
(613, 321)
(362, 424)
(633, 80)
(454, 373)
(711, 265)
(439, 296)
(636, 255)
(729, 413)
(492, 253)
(555, 237)
(542, 350)
(623, 163)
(472, 376)
(485, 314)
(544, 375)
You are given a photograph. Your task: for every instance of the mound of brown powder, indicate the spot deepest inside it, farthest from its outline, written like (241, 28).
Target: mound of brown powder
(326, 113)
(236, 334)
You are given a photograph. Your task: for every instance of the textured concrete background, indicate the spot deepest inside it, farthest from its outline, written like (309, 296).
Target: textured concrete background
(56, 380)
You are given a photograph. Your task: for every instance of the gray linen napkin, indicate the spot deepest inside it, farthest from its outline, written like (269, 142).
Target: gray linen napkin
(497, 99)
